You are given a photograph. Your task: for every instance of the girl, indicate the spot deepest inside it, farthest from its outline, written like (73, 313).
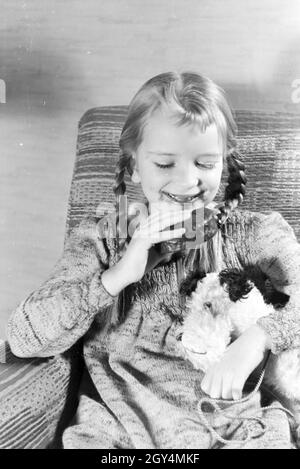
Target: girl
(123, 295)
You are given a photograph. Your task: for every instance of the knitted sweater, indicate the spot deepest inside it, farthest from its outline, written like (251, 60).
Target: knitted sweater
(142, 393)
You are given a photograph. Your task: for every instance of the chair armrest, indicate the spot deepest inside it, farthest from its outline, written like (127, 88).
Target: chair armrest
(38, 397)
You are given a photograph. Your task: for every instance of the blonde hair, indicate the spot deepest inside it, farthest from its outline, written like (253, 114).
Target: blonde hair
(191, 97)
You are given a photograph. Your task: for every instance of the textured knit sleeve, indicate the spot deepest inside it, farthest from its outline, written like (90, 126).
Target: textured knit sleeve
(62, 309)
(277, 252)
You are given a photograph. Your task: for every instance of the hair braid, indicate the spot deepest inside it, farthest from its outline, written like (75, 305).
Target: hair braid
(119, 186)
(236, 182)
(119, 189)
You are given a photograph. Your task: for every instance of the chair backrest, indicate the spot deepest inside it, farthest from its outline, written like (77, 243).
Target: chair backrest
(269, 142)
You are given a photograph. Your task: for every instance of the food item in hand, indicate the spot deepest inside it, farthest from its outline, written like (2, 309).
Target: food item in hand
(201, 226)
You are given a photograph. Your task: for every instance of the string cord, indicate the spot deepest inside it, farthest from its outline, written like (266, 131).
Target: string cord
(250, 418)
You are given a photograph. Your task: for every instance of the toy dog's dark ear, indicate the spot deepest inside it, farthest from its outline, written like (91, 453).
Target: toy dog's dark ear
(237, 283)
(189, 284)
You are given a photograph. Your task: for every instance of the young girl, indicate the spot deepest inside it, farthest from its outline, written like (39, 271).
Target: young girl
(124, 296)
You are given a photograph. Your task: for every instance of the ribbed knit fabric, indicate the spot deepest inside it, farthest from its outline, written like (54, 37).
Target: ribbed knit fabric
(143, 394)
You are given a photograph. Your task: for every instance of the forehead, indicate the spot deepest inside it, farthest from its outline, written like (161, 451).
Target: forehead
(161, 133)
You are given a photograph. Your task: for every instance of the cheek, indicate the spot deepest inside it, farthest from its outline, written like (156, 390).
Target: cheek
(153, 179)
(152, 183)
(212, 180)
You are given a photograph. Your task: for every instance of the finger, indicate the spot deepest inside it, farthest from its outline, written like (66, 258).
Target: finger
(153, 226)
(215, 390)
(165, 236)
(227, 387)
(136, 211)
(156, 221)
(169, 216)
(211, 384)
(237, 387)
(163, 207)
(150, 240)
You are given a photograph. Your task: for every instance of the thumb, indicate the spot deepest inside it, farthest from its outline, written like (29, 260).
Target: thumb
(137, 213)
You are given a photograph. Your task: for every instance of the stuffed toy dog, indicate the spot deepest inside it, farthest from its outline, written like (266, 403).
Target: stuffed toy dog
(220, 307)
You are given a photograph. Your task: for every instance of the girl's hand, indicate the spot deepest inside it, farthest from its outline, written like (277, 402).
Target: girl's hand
(226, 378)
(136, 259)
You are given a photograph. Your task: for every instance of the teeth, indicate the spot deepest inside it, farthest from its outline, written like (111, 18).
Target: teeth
(183, 198)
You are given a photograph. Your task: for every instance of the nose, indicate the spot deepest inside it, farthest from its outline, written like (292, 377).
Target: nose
(187, 179)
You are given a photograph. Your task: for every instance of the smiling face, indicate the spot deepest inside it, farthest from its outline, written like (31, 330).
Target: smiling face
(175, 161)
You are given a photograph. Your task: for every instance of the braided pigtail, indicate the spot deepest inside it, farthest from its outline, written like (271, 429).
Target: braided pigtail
(119, 186)
(119, 189)
(235, 189)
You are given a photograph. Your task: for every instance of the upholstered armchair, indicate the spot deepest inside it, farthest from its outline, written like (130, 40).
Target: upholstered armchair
(38, 396)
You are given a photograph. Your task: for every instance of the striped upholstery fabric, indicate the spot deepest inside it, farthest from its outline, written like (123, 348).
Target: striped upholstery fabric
(38, 396)
(269, 142)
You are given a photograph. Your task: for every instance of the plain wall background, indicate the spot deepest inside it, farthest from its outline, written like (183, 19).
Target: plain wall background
(59, 58)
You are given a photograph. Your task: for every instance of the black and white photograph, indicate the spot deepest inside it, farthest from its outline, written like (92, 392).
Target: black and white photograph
(149, 227)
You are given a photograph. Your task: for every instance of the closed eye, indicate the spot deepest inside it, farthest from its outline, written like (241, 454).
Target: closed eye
(200, 165)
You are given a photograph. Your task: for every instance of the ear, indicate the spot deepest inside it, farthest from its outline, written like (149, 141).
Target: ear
(237, 283)
(189, 284)
(135, 177)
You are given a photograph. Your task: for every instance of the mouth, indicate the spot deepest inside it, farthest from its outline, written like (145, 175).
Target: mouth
(181, 199)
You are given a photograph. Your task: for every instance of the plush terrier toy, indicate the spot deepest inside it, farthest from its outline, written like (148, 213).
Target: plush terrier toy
(220, 307)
